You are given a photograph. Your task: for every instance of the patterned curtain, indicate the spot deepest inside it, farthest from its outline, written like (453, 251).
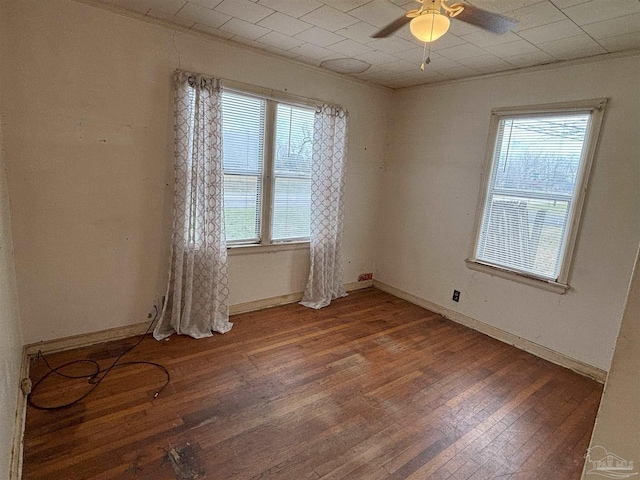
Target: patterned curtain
(197, 291)
(327, 206)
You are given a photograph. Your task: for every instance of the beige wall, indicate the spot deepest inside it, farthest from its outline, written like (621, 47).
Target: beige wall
(430, 191)
(88, 133)
(617, 427)
(88, 146)
(89, 153)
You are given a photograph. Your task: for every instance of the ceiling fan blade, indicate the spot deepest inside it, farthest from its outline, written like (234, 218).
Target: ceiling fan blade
(492, 22)
(392, 27)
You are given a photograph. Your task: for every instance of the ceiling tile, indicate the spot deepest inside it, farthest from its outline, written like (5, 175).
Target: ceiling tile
(448, 40)
(392, 45)
(404, 33)
(413, 55)
(567, 3)
(160, 15)
(345, 5)
(284, 24)
(551, 31)
(376, 57)
(458, 27)
(295, 8)
(244, 29)
(487, 39)
(403, 66)
(329, 18)
(529, 59)
(574, 47)
(510, 49)
(501, 6)
(166, 7)
(598, 10)
(203, 15)
(278, 40)
(281, 52)
(378, 72)
(319, 36)
(427, 74)
(311, 31)
(378, 13)
(486, 63)
(207, 3)
(244, 10)
(360, 32)
(459, 52)
(620, 43)
(313, 51)
(536, 15)
(198, 27)
(349, 48)
(614, 26)
(406, 4)
(425, 77)
(442, 63)
(458, 72)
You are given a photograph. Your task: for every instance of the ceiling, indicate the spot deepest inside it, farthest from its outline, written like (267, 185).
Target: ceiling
(311, 31)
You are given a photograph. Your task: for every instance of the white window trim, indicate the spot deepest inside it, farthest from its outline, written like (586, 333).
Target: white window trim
(596, 108)
(272, 98)
(253, 248)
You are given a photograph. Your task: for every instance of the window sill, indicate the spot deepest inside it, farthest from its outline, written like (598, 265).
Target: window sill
(233, 250)
(548, 285)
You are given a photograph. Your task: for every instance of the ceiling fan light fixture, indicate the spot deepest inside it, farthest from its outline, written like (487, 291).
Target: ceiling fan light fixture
(429, 26)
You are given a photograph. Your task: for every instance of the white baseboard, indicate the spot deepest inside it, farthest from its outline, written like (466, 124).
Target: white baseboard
(126, 331)
(17, 442)
(86, 339)
(285, 299)
(506, 337)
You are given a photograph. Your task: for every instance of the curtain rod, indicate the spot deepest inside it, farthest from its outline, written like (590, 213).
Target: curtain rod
(269, 93)
(272, 93)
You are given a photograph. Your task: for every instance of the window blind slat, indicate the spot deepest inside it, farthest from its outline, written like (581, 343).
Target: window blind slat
(292, 171)
(243, 127)
(535, 168)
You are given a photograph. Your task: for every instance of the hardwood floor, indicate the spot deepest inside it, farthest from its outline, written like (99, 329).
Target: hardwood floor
(371, 388)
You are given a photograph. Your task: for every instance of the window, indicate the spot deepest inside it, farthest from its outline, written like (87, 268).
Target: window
(539, 161)
(267, 147)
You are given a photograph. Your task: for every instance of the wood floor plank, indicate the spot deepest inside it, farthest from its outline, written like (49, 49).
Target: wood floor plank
(371, 387)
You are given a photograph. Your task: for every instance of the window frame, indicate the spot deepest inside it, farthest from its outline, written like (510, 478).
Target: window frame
(271, 99)
(595, 108)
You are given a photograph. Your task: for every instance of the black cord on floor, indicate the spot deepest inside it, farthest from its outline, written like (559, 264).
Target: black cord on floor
(98, 375)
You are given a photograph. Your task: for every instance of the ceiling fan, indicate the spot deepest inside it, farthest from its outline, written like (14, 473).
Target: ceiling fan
(428, 23)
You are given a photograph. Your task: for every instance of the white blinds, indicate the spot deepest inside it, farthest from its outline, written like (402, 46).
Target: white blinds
(292, 172)
(536, 166)
(243, 119)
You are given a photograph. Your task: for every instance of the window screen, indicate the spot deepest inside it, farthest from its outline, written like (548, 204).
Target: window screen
(243, 121)
(536, 168)
(292, 172)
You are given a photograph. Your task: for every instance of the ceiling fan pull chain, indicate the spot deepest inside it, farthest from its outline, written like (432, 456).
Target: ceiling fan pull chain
(425, 59)
(424, 51)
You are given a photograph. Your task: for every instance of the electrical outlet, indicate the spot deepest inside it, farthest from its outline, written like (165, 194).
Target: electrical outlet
(365, 276)
(456, 296)
(156, 307)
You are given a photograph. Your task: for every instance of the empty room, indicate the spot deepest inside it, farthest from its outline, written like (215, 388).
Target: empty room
(319, 239)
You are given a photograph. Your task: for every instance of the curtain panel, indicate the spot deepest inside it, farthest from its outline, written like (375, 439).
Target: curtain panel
(197, 291)
(327, 206)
